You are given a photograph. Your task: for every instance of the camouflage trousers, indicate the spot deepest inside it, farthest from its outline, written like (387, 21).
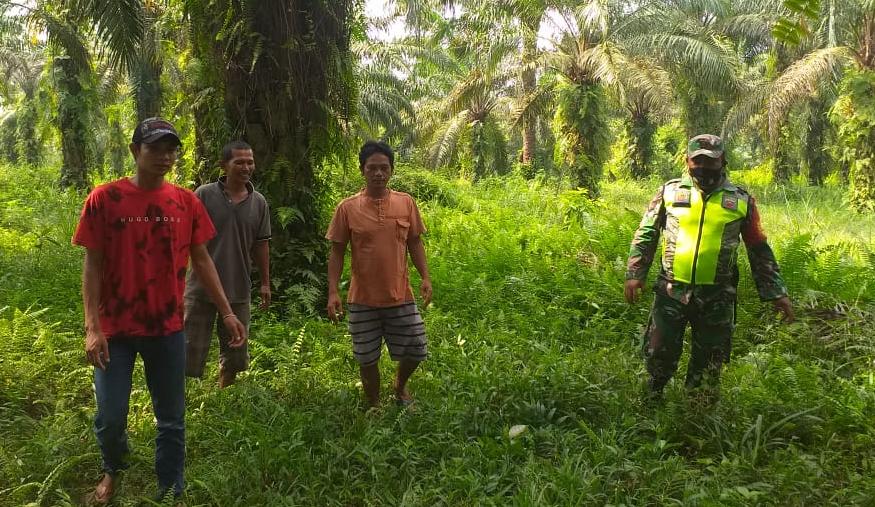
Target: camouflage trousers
(712, 320)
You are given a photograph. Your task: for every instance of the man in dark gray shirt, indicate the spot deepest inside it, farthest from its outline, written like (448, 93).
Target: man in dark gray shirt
(242, 220)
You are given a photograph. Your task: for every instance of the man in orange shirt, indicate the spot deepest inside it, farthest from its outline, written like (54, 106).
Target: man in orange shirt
(382, 225)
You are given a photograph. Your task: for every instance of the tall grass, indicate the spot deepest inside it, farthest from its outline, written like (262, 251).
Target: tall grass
(527, 328)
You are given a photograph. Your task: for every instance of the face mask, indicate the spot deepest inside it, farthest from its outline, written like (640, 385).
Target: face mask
(706, 179)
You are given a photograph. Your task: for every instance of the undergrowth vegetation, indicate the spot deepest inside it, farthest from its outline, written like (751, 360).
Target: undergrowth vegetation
(528, 327)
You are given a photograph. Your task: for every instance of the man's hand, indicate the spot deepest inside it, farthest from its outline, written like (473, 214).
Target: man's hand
(425, 292)
(335, 307)
(785, 308)
(265, 296)
(632, 290)
(97, 348)
(236, 330)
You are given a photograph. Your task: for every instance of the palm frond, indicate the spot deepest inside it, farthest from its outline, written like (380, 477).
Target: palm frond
(119, 24)
(593, 16)
(111, 82)
(530, 107)
(604, 62)
(645, 85)
(63, 35)
(529, 12)
(445, 144)
(750, 103)
(495, 145)
(468, 90)
(384, 101)
(752, 27)
(709, 59)
(803, 79)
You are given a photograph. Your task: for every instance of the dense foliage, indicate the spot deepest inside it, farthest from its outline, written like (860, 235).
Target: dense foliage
(528, 328)
(532, 132)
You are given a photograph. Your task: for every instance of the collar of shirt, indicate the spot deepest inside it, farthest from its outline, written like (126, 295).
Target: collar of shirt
(250, 188)
(382, 204)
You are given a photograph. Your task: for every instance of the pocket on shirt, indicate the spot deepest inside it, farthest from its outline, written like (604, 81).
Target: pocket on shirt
(402, 228)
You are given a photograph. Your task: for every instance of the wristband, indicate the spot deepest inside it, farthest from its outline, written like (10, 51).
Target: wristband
(229, 315)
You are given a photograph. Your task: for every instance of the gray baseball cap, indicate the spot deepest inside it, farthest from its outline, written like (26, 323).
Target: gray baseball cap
(152, 129)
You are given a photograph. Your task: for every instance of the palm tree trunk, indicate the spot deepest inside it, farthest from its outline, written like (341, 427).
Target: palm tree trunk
(585, 134)
(147, 88)
(29, 145)
(816, 157)
(8, 142)
(73, 123)
(207, 82)
(702, 113)
(858, 134)
(276, 89)
(478, 149)
(866, 53)
(118, 153)
(783, 167)
(641, 131)
(528, 81)
(147, 72)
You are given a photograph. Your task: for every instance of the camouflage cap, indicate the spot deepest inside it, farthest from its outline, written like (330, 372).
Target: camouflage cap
(705, 144)
(152, 129)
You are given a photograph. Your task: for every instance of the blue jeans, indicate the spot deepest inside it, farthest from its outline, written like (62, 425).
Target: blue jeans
(164, 361)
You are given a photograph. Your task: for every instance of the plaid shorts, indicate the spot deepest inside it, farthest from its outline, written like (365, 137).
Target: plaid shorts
(401, 326)
(200, 317)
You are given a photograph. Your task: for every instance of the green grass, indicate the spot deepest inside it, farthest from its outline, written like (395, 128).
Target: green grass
(528, 327)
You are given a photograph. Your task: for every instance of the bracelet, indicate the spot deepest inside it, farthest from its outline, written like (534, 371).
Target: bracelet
(229, 315)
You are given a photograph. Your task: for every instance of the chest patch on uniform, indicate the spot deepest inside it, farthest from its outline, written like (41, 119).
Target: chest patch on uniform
(682, 197)
(730, 202)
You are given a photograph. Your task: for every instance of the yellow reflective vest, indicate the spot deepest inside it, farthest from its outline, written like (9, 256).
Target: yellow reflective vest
(703, 232)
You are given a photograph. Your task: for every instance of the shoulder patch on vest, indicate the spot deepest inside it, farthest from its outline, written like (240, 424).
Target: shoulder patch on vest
(730, 201)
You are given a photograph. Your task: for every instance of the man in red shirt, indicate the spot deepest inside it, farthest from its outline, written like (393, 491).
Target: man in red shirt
(383, 226)
(138, 233)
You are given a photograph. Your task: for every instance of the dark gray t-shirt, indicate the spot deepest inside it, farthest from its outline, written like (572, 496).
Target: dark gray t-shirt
(238, 228)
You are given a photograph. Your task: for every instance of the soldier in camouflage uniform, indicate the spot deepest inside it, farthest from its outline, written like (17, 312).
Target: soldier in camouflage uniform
(702, 217)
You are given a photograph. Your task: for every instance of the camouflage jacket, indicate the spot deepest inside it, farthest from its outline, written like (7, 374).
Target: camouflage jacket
(701, 234)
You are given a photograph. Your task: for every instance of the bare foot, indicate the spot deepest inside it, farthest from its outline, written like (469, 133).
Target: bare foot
(226, 378)
(103, 492)
(372, 402)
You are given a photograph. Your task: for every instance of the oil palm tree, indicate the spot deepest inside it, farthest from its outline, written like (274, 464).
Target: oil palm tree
(700, 44)
(596, 58)
(73, 28)
(839, 50)
(279, 74)
(461, 81)
(529, 15)
(854, 112)
(384, 110)
(22, 66)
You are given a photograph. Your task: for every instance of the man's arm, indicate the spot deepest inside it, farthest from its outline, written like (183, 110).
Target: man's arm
(644, 245)
(763, 265)
(262, 261)
(417, 254)
(203, 265)
(96, 346)
(335, 267)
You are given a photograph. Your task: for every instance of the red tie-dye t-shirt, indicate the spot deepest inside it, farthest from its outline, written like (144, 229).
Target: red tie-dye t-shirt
(145, 236)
